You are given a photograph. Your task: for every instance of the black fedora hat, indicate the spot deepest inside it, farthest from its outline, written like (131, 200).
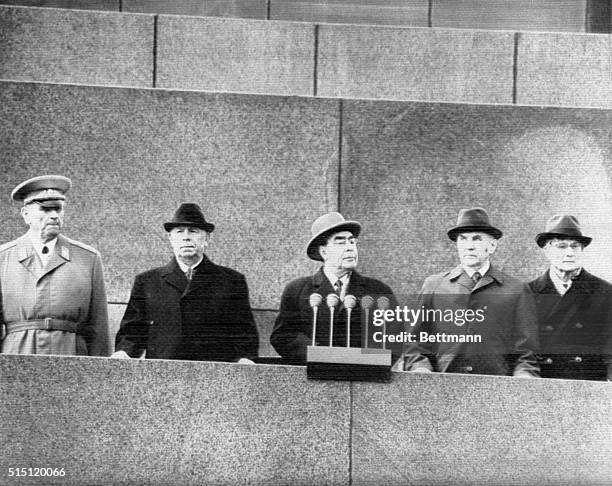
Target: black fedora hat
(562, 226)
(189, 214)
(472, 220)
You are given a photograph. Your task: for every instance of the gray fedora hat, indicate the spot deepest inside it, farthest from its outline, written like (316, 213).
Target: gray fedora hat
(562, 226)
(471, 220)
(322, 227)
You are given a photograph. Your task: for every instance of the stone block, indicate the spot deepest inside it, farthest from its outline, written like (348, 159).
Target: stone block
(408, 168)
(109, 5)
(481, 430)
(235, 55)
(391, 12)
(172, 422)
(564, 69)
(262, 168)
(69, 46)
(249, 9)
(415, 64)
(541, 15)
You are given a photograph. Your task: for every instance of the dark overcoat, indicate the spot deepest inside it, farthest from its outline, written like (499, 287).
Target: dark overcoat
(208, 318)
(576, 328)
(293, 327)
(508, 332)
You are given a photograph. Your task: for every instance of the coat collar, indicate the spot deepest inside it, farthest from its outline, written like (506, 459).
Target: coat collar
(460, 276)
(26, 254)
(322, 285)
(584, 282)
(174, 276)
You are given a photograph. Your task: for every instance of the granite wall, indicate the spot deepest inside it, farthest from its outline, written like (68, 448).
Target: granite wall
(160, 422)
(305, 59)
(539, 15)
(264, 167)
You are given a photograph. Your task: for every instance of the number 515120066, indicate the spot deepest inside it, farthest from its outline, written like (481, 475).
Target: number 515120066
(37, 471)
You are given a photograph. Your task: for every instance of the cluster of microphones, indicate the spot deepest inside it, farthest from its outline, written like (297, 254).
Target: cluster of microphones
(350, 302)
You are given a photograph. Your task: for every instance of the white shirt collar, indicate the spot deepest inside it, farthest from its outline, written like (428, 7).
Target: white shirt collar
(562, 286)
(333, 279)
(482, 271)
(184, 267)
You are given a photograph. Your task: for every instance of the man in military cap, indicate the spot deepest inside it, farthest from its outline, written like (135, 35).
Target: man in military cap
(574, 307)
(53, 295)
(189, 309)
(484, 320)
(334, 243)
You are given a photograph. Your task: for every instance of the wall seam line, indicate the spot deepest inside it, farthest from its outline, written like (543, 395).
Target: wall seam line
(429, 13)
(155, 32)
(350, 442)
(315, 86)
(517, 37)
(268, 9)
(340, 130)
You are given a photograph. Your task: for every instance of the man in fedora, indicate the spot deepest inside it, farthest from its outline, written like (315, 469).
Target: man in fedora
(53, 295)
(574, 307)
(189, 309)
(485, 321)
(334, 243)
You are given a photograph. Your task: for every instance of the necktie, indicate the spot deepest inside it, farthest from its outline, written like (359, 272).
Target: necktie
(338, 287)
(45, 250)
(476, 277)
(189, 273)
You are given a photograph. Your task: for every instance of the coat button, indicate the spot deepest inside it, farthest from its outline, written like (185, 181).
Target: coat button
(548, 328)
(468, 369)
(578, 325)
(548, 361)
(578, 359)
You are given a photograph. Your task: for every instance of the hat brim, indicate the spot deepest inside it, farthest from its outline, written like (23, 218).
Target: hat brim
(312, 248)
(50, 203)
(490, 230)
(542, 238)
(208, 227)
(60, 183)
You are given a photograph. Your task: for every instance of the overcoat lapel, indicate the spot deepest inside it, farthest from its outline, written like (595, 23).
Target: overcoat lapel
(322, 286)
(27, 257)
(60, 256)
(203, 277)
(174, 276)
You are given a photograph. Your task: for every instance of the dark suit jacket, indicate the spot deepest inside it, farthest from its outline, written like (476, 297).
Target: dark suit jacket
(293, 327)
(576, 328)
(208, 318)
(509, 331)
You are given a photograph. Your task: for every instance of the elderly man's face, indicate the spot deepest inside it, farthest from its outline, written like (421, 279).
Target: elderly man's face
(564, 254)
(340, 252)
(188, 243)
(46, 222)
(475, 249)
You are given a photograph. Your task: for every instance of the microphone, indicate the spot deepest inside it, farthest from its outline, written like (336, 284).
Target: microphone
(315, 302)
(349, 303)
(367, 302)
(383, 303)
(332, 301)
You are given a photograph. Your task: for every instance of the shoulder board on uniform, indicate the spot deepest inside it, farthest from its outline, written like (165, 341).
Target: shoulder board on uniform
(6, 246)
(81, 245)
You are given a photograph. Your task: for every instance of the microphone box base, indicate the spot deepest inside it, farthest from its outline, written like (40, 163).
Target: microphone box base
(348, 364)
